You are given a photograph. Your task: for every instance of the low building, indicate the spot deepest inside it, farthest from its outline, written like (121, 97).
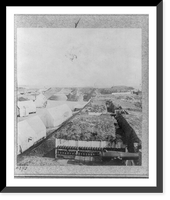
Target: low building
(26, 107)
(40, 101)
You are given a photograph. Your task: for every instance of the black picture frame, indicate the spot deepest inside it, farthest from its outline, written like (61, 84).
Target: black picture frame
(159, 186)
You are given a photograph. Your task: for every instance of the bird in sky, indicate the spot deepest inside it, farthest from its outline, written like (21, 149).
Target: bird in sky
(76, 24)
(71, 56)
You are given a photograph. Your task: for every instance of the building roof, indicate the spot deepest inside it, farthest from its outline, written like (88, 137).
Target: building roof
(58, 97)
(30, 104)
(23, 99)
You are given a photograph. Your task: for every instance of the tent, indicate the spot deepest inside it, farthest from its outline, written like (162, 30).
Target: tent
(38, 126)
(55, 116)
(52, 104)
(26, 107)
(58, 97)
(80, 97)
(40, 100)
(65, 91)
(26, 136)
(22, 99)
(71, 104)
(30, 97)
(29, 132)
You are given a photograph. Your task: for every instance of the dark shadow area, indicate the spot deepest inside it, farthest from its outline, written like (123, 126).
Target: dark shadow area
(106, 162)
(50, 154)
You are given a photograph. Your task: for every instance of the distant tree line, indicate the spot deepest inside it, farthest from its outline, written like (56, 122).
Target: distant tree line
(115, 89)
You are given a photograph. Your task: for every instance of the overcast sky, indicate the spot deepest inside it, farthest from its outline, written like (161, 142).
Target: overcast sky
(79, 57)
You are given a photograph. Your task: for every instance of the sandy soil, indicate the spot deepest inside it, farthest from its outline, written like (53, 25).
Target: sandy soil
(44, 161)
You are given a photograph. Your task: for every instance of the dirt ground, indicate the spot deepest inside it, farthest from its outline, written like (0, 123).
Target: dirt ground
(46, 161)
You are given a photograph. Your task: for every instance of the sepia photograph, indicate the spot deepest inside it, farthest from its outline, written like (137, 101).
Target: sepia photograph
(81, 95)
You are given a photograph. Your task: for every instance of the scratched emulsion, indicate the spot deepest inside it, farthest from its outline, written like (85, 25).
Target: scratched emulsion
(93, 21)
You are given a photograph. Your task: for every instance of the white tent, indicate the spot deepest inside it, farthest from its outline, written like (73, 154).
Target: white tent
(52, 104)
(65, 91)
(80, 98)
(71, 104)
(29, 132)
(40, 100)
(29, 97)
(38, 126)
(26, 136)
(53, 117)
(26, 107)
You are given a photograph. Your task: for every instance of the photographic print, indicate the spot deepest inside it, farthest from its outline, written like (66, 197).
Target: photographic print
(81, 95)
